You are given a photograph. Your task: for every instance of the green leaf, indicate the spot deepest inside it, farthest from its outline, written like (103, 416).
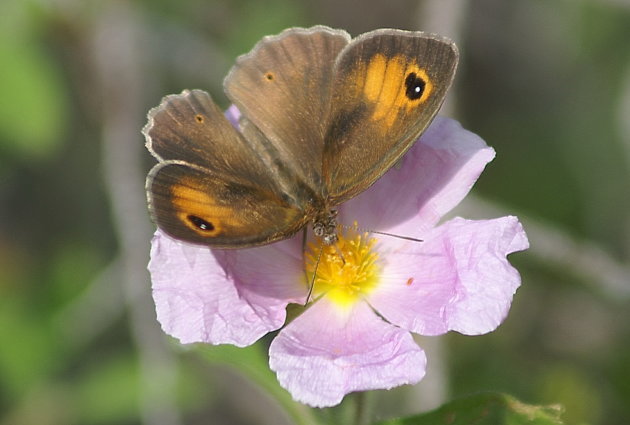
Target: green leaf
(107, 390)
(33, 111)
(30, 352)
(485, 409)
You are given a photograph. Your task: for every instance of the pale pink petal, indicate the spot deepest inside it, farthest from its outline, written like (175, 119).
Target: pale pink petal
(268, 273)
(233, 114)
(199, 299)
(431, 179)
(457, 279)
(325, 354)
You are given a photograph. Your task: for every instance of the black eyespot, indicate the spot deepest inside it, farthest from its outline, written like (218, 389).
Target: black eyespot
(200, 223)
(269, 76)
(199, 118)
(415, 86)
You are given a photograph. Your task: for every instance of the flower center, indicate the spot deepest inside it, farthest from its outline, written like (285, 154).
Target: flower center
(346, 269)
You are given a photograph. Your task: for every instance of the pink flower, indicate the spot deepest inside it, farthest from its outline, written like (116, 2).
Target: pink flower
(356, 333)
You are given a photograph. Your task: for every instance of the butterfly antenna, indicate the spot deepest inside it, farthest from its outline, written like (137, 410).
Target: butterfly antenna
(407, 238)
(312, 285)
(343, 260)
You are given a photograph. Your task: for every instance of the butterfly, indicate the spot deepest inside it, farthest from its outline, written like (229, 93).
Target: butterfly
(323, 116)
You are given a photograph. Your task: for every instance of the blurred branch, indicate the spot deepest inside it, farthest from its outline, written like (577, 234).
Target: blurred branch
(444, 17)
(624, 131)
(115, 46)
(90, 314)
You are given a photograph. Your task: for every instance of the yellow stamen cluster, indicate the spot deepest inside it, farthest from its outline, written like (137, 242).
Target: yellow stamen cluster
(345, 270)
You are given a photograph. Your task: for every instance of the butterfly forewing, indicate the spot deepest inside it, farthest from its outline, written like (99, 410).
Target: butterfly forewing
(388, 86)
(283, 86)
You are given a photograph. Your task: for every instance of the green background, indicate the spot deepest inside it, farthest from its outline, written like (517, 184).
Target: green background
(546, 83)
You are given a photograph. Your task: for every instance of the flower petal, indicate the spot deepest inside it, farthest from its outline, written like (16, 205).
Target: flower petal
(431, 179)
(233, 114)
(270, 272)
(200, 298)
(325, 354)
(458, 278)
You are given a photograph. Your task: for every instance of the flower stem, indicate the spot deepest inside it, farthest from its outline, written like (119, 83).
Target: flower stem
(361, 401)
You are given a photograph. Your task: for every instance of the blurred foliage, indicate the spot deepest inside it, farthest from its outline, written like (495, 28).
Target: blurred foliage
(546, 83)
(32, 123)
(485, 409)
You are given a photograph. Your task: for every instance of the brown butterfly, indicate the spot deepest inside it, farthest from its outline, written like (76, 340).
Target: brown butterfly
(323, 117)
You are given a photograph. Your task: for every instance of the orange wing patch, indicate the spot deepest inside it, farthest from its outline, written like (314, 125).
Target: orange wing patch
(394, 85)
(199, 211)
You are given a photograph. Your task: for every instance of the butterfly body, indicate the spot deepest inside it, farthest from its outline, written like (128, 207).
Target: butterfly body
(323, 116)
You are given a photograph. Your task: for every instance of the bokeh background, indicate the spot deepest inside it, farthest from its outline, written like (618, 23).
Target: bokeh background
(545, 82)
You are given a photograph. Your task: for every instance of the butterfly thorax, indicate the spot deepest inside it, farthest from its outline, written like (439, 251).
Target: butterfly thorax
(325, 226)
